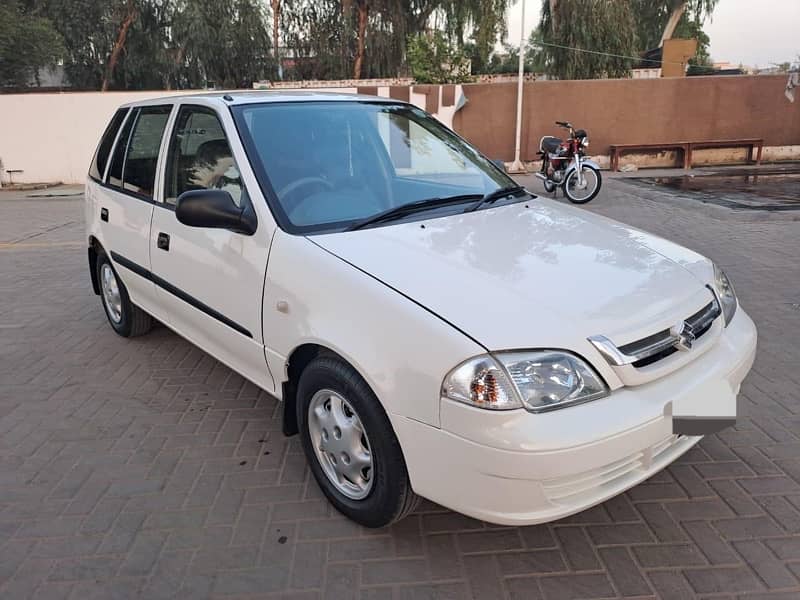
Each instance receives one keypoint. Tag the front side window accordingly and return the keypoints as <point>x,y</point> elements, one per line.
<point>100,161</point>
<point>332,164</point>
<point>200,157</point>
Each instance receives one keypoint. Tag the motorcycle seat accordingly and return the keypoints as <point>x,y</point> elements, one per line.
<point>550,144</point>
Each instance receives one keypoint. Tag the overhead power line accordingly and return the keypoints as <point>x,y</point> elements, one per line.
<point>639,58</point>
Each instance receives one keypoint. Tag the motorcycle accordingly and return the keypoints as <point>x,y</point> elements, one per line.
<point>565,165</point>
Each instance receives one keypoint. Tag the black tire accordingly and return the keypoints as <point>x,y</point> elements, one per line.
<point>133,321</point>
<point>390,497</point>
<point>592,195</point>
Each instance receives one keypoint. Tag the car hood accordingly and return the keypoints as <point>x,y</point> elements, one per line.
<point>539,274</point>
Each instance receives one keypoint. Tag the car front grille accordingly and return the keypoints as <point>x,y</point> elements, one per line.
<point>658,346</point>
<point>700,322</point>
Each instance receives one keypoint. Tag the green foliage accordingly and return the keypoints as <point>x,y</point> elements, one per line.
<point>224,42</point>
<point>484,20</point>
<point>88,31</point>
<point>689,28</point>
<point>433,60</point>
<point>604,27</point>
<point>652,17</point>
<point>27,43</point>
<point>507,62</point>
<point>155,44</point>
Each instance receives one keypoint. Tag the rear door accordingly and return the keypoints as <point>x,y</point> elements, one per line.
<point>126,201</point>
<point>210,280</point>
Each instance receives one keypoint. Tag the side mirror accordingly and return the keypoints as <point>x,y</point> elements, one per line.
<point>215,209</point>
<point>500,164</point>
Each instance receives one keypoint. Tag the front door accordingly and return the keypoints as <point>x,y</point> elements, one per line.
<point>210,280</point>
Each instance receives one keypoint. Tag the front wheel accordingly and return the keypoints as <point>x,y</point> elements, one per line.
<point>351,448</point>
<point>581,192</point>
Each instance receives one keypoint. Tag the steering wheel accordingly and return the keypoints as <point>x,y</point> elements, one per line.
<point>303,182</point>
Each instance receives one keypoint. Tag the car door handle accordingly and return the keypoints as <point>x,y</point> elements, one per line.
<point>104,214</point>
<point>163,241</point>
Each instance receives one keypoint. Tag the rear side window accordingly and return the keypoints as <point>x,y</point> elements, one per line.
<point>133,167</point>
<point>118,160</point>
<point>98,167</point>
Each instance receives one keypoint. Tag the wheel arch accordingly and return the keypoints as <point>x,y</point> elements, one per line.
<point>94,250</point>
<point>298,360</point>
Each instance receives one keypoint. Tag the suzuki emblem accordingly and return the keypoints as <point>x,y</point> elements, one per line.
<point>685,334</point>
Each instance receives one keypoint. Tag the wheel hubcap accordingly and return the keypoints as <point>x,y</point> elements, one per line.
<point>341,444</point>
<point>111,296</point>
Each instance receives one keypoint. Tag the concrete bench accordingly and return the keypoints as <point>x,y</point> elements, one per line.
<point>686,149</point>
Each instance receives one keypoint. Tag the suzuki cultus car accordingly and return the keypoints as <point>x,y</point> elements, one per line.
<point>432,328</point>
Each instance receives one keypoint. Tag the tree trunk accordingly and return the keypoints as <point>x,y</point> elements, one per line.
<point>553,18</point>
<point>127,21</point>
<point>674,18</point>
<point>363,13</point>
<point>276,18</point>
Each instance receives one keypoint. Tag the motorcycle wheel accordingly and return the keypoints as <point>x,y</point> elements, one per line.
<point>592,182</point>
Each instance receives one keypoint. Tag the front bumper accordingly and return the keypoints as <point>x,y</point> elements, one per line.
<point>518,468</point>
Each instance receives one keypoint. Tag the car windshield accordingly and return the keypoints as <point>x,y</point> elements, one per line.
<point>333,164</point>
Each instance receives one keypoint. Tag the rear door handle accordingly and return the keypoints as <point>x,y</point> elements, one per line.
<point>104,214</point>
<point>163,241</point>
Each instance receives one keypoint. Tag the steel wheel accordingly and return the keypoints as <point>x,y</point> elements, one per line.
<point>341,444</point>
<point>111,295</point>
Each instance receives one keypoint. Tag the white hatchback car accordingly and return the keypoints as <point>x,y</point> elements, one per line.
<point>433,329</point>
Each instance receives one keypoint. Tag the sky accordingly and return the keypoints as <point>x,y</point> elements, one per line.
<point>741,31</point>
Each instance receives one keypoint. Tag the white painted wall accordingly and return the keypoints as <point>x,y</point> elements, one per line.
<point>52,137</point>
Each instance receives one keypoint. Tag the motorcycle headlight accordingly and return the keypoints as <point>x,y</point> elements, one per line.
<point>585,142</point>
<point>538,381</point>
<point>726,294</point>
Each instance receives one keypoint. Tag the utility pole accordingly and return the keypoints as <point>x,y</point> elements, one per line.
<point>517,166</point>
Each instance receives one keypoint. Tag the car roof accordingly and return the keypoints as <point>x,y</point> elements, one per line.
<point>230,98</point>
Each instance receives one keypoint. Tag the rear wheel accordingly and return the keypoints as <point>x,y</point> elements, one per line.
<point>350,445</point>
<point>581,190</point>
<point>127,319</point>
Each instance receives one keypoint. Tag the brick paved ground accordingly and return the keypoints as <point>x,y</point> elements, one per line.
<point>145,468</point>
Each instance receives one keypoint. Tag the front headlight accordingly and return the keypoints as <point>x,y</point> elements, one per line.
<point>537,380</point>
<point>725,293</point>
<point>585,142</point>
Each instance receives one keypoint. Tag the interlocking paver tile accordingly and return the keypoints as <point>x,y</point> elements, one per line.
<point>146,469</point>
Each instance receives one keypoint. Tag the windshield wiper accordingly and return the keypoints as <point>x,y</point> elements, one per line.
<point>494,196</point>
<point>409,208</point>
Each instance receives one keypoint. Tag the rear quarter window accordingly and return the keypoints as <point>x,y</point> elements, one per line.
<point>103,151</point>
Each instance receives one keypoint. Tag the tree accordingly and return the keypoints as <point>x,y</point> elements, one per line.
<point>28,43</point>
<point>484,20</point>
<point>127,15</point>
<point>276,21</point>
<point>689,28</point>
<point>433,60</point>
<point>340,39</point>
<point>587,39</point>
<point>226,42</point>
<point>653,17</point>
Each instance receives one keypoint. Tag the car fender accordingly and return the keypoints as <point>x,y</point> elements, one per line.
<point>401,349</point>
